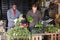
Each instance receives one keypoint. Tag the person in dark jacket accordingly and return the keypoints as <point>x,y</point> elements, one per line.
<point>35,14</point>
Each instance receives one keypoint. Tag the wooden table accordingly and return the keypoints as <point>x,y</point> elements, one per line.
<point>39,36</point>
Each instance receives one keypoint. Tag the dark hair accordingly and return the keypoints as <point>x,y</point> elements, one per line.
<point>35,5</point>
<point>14,4</point>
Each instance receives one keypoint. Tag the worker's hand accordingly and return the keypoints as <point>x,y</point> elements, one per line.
<point>15,21</point>
<point>21,18</point>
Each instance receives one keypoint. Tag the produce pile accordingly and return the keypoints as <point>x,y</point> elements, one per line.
<point>52,29</point>
<point>18,32</point>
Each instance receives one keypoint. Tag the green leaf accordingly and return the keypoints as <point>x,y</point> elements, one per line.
<point>39,24</point>
<point>30,19</point>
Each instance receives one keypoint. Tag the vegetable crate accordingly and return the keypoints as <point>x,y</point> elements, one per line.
<point>36,37</point>
<point>37,30</point>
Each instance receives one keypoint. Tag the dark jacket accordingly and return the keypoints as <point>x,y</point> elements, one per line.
<point>36,17</point>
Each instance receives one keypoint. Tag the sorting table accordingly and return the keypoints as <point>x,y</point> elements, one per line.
<point>39,36</point>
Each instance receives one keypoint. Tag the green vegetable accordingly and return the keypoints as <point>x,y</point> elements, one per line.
<point>21,16</point>
<point>52,29</point>
<point>30,19</point>
<point>18,32</point>
<point>39,24</point>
